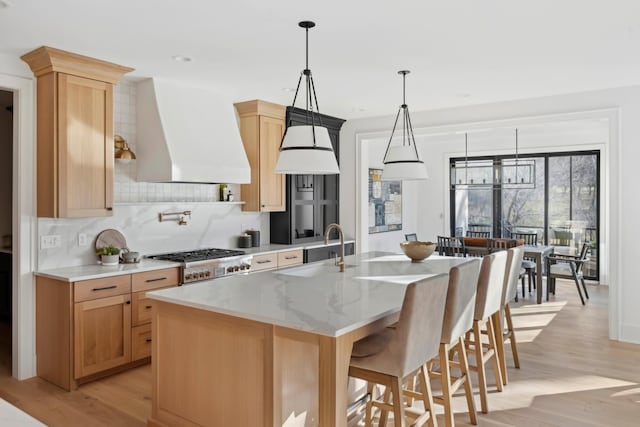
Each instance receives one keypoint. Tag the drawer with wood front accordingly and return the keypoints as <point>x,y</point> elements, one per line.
<point>140,342</point>
<point>264,262</point>
<point>86,290</point>
<point>141,307</point>
<point>288,258</point>
<point>154,279</point>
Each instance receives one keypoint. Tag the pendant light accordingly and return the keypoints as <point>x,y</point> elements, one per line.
<point>307,149</point>
<point>518,173</point>
<point>403,162</point>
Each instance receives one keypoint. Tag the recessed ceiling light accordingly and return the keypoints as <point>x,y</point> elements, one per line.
<point>288,89</point>
<point>463,95</point>
<point>5,4</point>
<point>179,58</point>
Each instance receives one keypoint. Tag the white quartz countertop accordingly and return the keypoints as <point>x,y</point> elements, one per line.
<point>314,297</point>
<point>275,247</point>
<point>97,271</point>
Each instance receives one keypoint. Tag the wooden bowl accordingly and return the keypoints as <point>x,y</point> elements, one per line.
<point>418,251</point>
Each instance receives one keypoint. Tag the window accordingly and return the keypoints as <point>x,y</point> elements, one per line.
<point>562,208</point>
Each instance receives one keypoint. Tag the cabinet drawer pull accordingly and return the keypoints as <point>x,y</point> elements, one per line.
<point>148,307</point>
<point>128,302</point>
<point>266,261</point>
<point>148,340</point>
<point>159,279</point>
<point>105,288</point>
<point>291,257</point>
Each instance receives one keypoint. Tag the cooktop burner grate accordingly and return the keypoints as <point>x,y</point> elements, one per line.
<point>198,255</point>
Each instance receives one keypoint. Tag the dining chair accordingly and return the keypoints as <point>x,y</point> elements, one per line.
<point>529,265</point>
<point>488,302</point>
<point>413,237</point>
<point>388,357</point>
<point>484,234</point>
<point>500,244</point>
<point>568,267</point>
<point>451,246</point>
<point>510,289</point>
<point>458,319</point>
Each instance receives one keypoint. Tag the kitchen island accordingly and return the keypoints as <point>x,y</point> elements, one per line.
<point>272,348</point>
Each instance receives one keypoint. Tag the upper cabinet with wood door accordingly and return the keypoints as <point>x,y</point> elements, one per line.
<point>75,132</point>
<point>262,125</point>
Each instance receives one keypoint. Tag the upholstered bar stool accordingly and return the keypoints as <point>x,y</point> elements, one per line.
<point>388,357</point>
<point>458,319</point>
<point>510,288</point>
<point>488,302</point>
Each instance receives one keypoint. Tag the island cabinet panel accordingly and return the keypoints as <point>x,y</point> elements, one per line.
<point>296,361</point>
<point>233,355</point>
<point>102,333</point>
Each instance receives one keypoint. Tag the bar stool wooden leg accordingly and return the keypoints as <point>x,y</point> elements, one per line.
<point>398,405</point>
<point>464,368</point>
<point>384,414</point>
<point>445,376</point>
<point>512,338</point>
<point>369,409</point>
<point>482,382</point>
<point>496,356</point>
<point>427,397</point>
<point>498,329</point>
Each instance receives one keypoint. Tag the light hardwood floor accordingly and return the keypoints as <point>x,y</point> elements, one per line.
<point>571,375</point>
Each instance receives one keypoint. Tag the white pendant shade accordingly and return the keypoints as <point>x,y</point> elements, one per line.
<point>299,156</point>
<point>402,163</point>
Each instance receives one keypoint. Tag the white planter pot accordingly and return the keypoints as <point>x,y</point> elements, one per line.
<point>109,259</point>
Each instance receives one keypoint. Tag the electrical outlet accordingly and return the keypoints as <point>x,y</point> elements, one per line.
<point>82,239</point>
<point>50,241</point>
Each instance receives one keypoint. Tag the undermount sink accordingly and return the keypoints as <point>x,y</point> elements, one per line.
<point>310,270</point>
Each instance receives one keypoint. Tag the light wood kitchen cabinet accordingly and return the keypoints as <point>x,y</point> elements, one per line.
<point>290,258</point>
<point>75,133</point>
<point>91,328</point>
<point>102,334</point>
<point>262,125</point>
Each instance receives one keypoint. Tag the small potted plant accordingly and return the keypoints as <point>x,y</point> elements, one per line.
<point>109,255</point>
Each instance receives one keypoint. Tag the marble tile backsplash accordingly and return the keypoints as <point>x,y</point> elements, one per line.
<point>137,205</point>
<point>211,225</point>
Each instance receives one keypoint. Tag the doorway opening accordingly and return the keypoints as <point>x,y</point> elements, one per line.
<point>6,224</point>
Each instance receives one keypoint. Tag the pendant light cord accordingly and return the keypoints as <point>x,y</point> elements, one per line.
<point>311,96</point>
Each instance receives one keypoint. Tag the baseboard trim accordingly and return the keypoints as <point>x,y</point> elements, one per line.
<point>630,333</point>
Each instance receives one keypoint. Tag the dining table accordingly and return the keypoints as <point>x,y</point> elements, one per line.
<point>539,253</point>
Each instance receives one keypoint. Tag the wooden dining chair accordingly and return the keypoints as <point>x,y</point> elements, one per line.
<point>568,267</point>
<point>388,357</point>
<point>451,246</point>
<point>483,234</point>
<point>529,265</point>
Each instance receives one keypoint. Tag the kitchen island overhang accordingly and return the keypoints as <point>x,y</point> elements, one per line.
<point>273,348</point>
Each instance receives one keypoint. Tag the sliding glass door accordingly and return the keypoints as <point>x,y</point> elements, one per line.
<point>561,207</point>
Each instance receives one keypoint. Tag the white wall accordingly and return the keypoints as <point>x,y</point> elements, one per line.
<point>623,151</point>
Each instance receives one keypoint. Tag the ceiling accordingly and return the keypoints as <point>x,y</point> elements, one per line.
<point>460,52</point>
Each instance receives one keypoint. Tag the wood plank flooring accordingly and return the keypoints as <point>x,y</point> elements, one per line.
<point>571,375</point>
